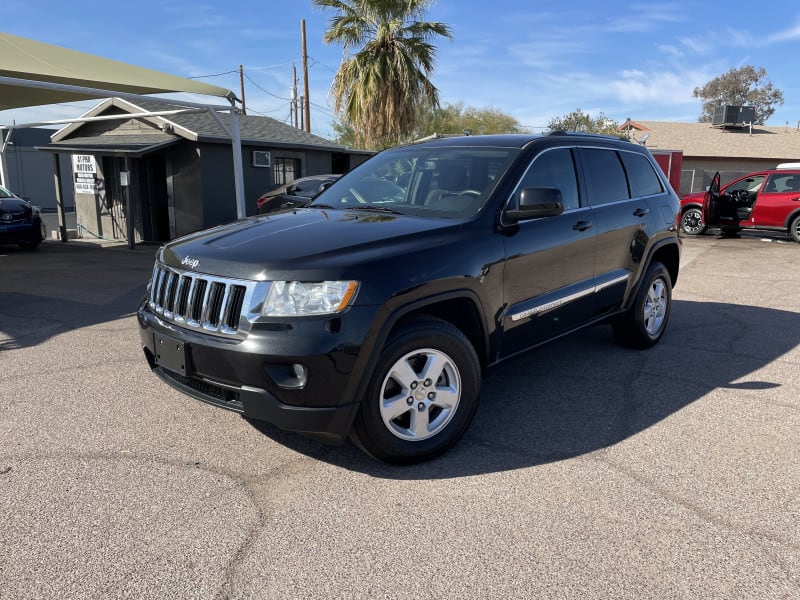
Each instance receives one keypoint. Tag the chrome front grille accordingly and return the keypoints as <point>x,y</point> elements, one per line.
<point>208,303</point>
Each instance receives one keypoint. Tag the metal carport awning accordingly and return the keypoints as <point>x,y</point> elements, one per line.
<point>28,60</point>
<point>99,145</point>
<point>34,73</point>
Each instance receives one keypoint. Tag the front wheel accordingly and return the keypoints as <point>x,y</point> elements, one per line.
<point>692,221</point>
<point>422,395</point>
<point>644,324</point>
<point>794,229</point>
<point>30,244</point>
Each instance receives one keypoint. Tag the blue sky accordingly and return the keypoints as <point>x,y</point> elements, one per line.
<point>532,60</point>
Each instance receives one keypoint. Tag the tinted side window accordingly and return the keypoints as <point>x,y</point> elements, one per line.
<point>552,169</point>
<point>751,184</point>
<point>605,177</point>
<point>642,178</point>
<point>783,183</point>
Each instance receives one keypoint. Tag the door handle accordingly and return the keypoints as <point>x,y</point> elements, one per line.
<point>582,225</point>
<point>640,212</point>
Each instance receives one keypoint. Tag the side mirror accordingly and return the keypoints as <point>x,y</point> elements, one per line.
<point>535,203</point>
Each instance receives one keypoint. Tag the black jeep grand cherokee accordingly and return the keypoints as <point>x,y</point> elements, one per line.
<point>374,311</point>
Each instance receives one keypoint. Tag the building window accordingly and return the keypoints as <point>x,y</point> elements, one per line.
<point>285,170</point>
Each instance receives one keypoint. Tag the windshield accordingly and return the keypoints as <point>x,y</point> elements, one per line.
<point>449,182</point>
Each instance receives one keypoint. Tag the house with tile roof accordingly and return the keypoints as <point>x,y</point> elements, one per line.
<point>173,171</point>
<point>733,151</point>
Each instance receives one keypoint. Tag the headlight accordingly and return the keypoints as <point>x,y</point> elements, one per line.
<point>293,298</point>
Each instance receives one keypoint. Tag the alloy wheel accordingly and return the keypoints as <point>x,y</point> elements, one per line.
<point>420,394</point>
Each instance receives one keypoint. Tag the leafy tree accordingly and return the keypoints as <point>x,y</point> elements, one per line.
<point>746,86</point>
<point>448,118</point>
<point>577,120</point>
<point>456,118</point>
<point>344,134</point>
<point>378,89</point>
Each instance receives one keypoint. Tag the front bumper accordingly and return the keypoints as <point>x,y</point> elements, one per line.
<point>256,376</point>
<point>28,231</point>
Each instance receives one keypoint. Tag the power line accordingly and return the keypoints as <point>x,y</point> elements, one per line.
<point>269,66</point>
<point>316,62</point>
<point>213,75</point>
<point>250,79</point>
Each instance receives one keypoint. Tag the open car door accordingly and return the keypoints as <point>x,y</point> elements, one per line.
<point>711,202</point>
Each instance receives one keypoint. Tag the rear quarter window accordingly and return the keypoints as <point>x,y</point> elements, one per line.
<point>642,177</point>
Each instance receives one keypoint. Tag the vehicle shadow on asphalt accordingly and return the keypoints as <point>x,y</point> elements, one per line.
<point>584,393</point>
<point>63,287</point>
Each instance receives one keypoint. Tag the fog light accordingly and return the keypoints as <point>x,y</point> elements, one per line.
<point>300,373</point>
<point>289,377</point>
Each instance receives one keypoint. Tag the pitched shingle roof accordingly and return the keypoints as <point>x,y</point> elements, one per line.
<point>253,129</point>
<point>202,126</point>
<point>704,141</point>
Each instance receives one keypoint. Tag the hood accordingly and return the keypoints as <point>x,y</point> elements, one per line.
<point>312,243</point>
<point>15,209</point>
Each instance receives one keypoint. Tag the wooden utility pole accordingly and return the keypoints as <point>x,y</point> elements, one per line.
<point>294,95</point>
<point>302,112</point>
<point>307,112</point>
<point>241,88</point>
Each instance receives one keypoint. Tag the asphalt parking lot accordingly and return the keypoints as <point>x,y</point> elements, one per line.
<point>590,471</point>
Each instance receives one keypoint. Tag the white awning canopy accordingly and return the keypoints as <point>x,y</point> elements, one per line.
<point>23,59</point>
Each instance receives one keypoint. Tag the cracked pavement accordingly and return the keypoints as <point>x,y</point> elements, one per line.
<point>590,471</point>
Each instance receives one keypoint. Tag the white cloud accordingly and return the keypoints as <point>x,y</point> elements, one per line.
<point>662,88</point>
<point>670,50</point>
<point>793,33</point>
<point>647,17</point>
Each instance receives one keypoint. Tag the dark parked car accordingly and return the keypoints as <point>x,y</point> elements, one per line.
<point>375,311</point>
<point>20,221</point>
<point>294,194</point>
<point>764,200</point>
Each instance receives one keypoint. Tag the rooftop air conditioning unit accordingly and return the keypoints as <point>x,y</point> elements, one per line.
<point>733,116</point>
<point>261,159</point>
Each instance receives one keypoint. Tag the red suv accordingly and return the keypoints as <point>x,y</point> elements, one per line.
<point>768,200</point>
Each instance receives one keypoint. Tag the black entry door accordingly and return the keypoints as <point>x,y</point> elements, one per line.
<point>155,206</point>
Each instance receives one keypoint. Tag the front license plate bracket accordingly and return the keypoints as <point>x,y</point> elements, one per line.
<point>171,353</point>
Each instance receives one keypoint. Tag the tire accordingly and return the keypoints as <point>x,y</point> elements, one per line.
<point>29,245</point>
<point>644,324</point>
<point>692,221</point>
<point>422,395</point>
<point>794,229</point>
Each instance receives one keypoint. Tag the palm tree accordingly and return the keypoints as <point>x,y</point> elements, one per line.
<point>378,89</point>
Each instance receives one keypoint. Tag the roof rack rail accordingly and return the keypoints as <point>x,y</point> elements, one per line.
<point>589,134</point>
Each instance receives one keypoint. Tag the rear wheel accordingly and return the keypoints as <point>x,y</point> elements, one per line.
<point>794,229</point>
<point>692,221</point>
<point>644,324</point>
<point>422,395</point>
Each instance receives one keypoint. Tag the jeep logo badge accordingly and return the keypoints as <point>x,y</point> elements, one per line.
<point>190,262</point>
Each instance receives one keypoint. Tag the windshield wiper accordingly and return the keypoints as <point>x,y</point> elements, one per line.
<point>328,206</point>
<point>383,209</point>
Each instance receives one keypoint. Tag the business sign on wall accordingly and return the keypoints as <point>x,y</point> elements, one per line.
<point>84,168</point>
